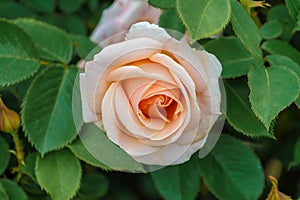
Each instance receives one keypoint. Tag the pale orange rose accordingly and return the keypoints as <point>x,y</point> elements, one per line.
<point>117,19</point>
<point>156,97</point>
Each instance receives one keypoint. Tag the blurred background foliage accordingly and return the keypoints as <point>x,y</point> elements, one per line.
<point>280,157</point>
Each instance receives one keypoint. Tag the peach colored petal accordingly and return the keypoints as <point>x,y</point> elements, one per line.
<point>110,58</point>
<point>147,30</point>
<point>130,144</point>
<point>164,156</point>
<point>88,115</point>
<point>129,72</point>
<point>129,118</point>
<point>190,124</point>
<point>195,146</point>
<point>156,68</point>
<point>175,69</point>
<point>187,57</point>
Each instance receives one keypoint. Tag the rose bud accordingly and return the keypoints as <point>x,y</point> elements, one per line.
<point>155,96</point>
<point>119,17</point>
<point>9,119</point>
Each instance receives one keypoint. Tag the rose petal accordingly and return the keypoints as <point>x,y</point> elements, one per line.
<point>147,30</point>
<point>88,115</point>
<point>188,58</point>
<point>110,58</point>
<point>175,68</point>
<point>164,156</point>
<point>129,72</point>
<point>130,144</point>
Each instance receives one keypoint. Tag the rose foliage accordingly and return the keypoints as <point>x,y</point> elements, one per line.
<point>55,154</point>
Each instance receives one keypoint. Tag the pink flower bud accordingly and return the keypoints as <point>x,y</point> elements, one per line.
<point>119,17</point>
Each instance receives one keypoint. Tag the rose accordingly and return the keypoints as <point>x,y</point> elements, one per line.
<point>119,17</point>
<point>156,97</point>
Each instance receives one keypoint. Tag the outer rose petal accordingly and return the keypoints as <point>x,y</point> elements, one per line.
<point>147,30</point>
<point>88,115</point>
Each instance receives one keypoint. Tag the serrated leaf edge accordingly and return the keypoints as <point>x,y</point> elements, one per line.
<point>208,34</point>
<point>252,108</point>
<point>53,28</point>
<point>245,45</point>
<point>242,131</point>
<point>23,119</point>
<point>43,188</point>
<point>103,167</point>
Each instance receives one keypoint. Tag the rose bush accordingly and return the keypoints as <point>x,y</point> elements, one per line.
<point>156,97</point>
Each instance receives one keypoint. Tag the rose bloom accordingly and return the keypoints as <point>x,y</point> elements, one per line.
<point>156,97</point>
<point>118,18</point>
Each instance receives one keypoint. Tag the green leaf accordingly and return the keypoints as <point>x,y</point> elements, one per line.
<point>54,45</point>
<point>18,56</point>
<point>293,7</point>
<point>83,45</point>
<point>12,189</point>
<point>232,171</point>
<point>180,182</point>
<point>47,109</point>
<point>166,4</point>
<point>96,149</point>
<point>233,64</point>
<point>12,10</point>
<point>170,20</point>
<point>5,155</point>
<point>280,13</point>
<point>271,29</point>
<point>280,60</point>
<point>239,113</point>
<point>45,6</point>
<point>93,186</point>
<point>82,153</point>
<point>281,48</point>
<point>70,6</point>
<point>29,166</point>
<point>3,194</point>
<point>59,173</point>
<point>204,18</point>
<point>270,93</point>
<point>246,29</point>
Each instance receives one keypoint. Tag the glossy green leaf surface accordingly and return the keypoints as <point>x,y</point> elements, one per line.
<point>55,45</point>
<point>18,55</point>
<point>233,64</point>
<point>239,109</point>
<point>52,101</point>
<point>269,95</point>
<point>179,182</point>
<point>226,165</point>
<point>92,145</point>
<point>204,18</point>
<point>64,180</point>
<point>245,29</point>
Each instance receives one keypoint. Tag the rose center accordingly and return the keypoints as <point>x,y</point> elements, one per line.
<point>159,106</point>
